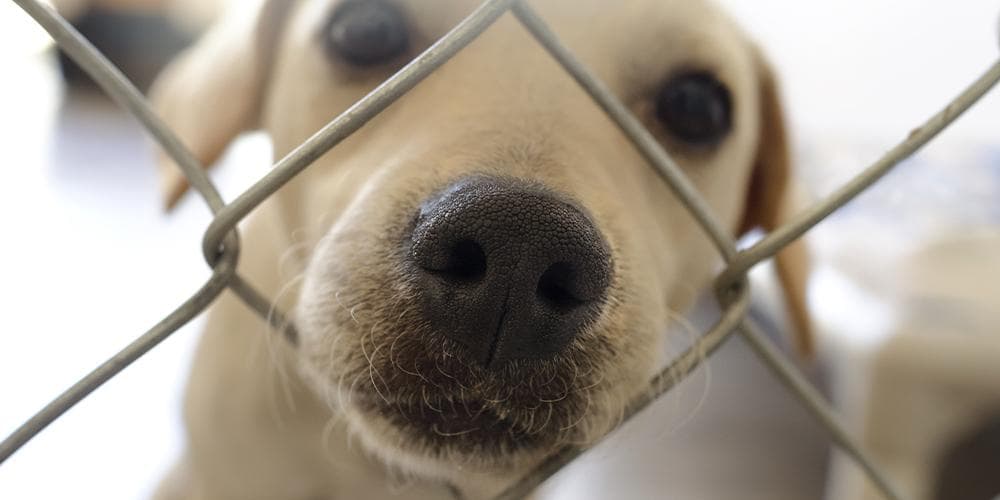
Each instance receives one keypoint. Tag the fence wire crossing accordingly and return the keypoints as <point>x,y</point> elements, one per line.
<point>221,242</point>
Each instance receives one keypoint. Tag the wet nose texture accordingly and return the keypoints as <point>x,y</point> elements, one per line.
<point>508,269</point>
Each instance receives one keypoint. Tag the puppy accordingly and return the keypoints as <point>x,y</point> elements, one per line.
<point>481,274</point>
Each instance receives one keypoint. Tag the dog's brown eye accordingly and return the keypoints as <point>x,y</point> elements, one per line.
<point>695,108</point>
<point>366,32</point>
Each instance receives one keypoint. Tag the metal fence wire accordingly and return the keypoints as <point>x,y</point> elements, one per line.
<point>221,242</point>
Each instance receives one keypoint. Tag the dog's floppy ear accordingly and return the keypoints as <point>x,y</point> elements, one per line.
<point>213,91</point>
<point>771,200</point>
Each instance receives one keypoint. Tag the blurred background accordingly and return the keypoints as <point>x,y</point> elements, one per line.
<point>906,291</point>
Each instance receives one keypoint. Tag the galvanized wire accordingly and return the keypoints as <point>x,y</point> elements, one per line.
<point>781,237</point>
<point>821,410</point>
<point>123,92</point>
<point>694,202</point>
<point>174,321</point>
<point>221,246</point>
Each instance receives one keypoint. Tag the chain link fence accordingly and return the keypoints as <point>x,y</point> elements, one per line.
<point>221,242</point>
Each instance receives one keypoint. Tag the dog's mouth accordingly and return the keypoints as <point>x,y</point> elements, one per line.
<point>459,424</point>
<point>449,407</point>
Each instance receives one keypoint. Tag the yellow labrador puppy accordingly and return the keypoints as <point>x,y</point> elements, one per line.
<point>481,274</point>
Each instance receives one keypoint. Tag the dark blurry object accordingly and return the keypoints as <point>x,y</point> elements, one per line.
<point>923,384</point>
<point>138,42</point>
<point>971,470</point>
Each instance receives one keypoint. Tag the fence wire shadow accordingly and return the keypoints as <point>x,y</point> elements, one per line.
<point>220,244</point>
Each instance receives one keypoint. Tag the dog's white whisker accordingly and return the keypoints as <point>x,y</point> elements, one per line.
<point>437,366</point>
<point>282,380</point>
<point>548,417</point>
<point>598,381</point>
<point>582,416</point>
<point>355,383</point>
<point>372,374</point>
<point>528,423</point>
<point>451,405</point>
<point>372,370</point>
<point>691,332</point>
<point>465,406</point>
<point>530,428</point>
<point>479,412</point>
<point>350,310</point>
<point>427,402</point>
<point>564,395</point>
<point>501,400</point>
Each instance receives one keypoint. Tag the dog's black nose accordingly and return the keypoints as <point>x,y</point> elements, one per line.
<point>508,269</point>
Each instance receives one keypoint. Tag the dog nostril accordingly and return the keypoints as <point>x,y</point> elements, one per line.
<point>466,263</point>
<point>555,287</point>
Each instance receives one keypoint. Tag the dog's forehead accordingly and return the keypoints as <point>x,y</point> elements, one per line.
<point>695,31</point>
<point>505,79</point>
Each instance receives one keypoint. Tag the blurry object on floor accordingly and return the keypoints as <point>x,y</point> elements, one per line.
<point>931,397</point>
<point>911,324</point>
<point>193,15</point>
<point>138,36</point>
<point>970,469</point>
<point>138,44</point>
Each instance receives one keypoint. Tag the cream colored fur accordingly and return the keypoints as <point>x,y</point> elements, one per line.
<point>267,421</point>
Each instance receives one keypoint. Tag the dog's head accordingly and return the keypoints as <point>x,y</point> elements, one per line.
<point>493,263</point>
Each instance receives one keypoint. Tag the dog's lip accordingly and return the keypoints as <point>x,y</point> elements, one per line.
<point>457,410</point>
<point>476,419</point>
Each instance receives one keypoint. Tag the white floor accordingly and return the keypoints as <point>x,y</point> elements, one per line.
<point>88,262</point>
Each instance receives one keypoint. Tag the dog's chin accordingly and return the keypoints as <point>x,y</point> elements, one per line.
<point>417,403</point>
<point>423,437</point>
<point>423,400</point>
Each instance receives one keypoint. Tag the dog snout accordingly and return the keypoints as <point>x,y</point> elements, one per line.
<point>508,269</point>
